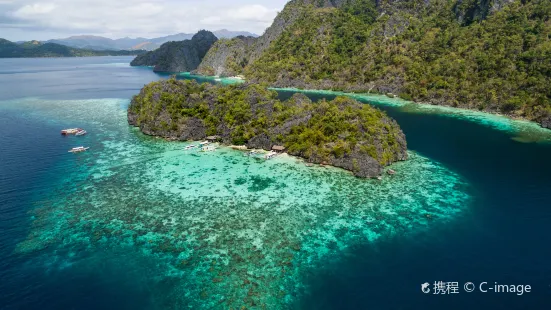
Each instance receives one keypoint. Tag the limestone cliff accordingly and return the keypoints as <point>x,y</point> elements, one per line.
<point>178,56</point>
<point>230,57</point>
<point>227,57</point>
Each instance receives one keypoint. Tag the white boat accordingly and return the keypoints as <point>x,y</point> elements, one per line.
<point>204,143</point>
<point>189,147</point>
<point>81,132</point>
<point>78,149</point>
<point>208,148</point>
<point>271,155</point>
<point>70,131</point>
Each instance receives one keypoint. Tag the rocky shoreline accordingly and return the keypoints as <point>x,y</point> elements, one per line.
<point>342,133</point>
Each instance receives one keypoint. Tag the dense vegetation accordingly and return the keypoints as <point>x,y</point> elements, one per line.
<point>488,55</point>
<point>178,56</point>
<point>36,49</point>
<point>341,132</point>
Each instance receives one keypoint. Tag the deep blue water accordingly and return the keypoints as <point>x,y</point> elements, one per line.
<point>505,236</point>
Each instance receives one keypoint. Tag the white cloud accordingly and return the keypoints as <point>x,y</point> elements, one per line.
<point>255,14</point>
<point>145,18</point>
<point>30,10</point>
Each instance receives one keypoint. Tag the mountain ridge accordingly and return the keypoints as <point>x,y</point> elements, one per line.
<point>126,43</point>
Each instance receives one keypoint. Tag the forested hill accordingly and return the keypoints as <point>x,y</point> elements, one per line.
<point>342,132</point>
<point>490,55</point>
<point>9,49</point>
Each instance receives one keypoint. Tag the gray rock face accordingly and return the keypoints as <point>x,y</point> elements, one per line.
<point>546,122</point>
<point>282,21</point>
<point>498,5</point>
<point>227,57</point>
<point>178,56</point>
<point>468,11</point>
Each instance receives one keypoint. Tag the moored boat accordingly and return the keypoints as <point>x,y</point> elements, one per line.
<point>70,131</point>
<point>271,155</point>
<point>78,149</point>
<point>81,132</point>
<point>208,148</point>
<point>189,147</point>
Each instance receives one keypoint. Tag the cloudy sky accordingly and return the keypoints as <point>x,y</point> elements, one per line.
<point>48,19</point>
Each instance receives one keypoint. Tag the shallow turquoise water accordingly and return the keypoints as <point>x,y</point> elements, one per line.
<point>138,223</point>
<point>246,231</point>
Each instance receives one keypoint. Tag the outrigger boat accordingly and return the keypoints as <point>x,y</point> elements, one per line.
<point>271,155</point>
<point>81,132</point>
<point>204,143</point>
<point>189,147</point>
<point>208,148</point>
<point>71,131</point>
<point>78,149</point>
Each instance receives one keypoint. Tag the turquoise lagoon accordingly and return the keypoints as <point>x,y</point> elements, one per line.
<point>244,231</point>
<point>138,223</point>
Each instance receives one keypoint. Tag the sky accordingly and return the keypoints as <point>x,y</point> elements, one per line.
<point>22,20</point>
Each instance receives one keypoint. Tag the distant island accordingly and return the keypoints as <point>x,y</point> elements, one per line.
<point>10,49</point>
<point>178,56</point>
<point>342,132</point>
<point>149,44</point>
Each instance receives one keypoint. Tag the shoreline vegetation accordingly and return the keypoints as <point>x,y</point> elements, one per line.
<point>490,56</point>
<point>342,133</point>
<point>374,94</point>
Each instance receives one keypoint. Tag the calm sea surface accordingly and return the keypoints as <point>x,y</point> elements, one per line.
<point>137,223</point>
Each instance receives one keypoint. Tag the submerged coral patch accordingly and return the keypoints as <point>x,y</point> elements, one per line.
<point>227,230</point>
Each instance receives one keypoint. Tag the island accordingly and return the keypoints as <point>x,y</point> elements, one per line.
<point>178,56</point>
<point>37,49</point>
<point>343,132</point>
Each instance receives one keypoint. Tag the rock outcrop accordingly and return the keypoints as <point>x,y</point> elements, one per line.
<point>546,122</point>
<point>230,57</point>
<point>469,11</point>
<point>178,56</point>
<point>343,132</point>
<point>227,57</point>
